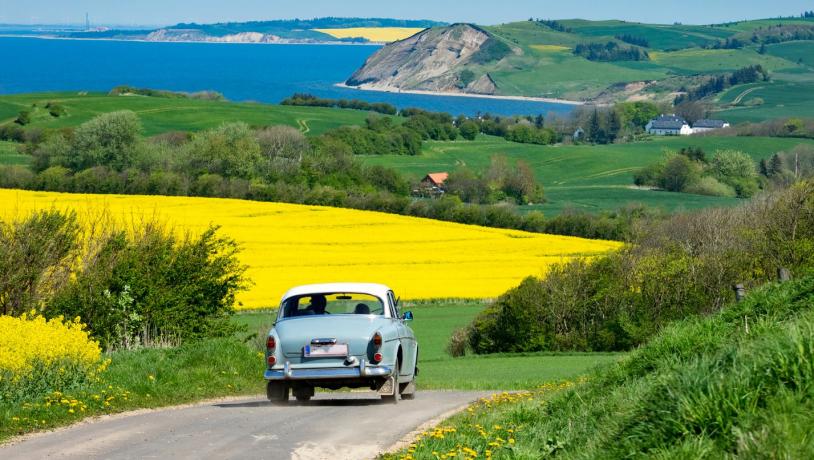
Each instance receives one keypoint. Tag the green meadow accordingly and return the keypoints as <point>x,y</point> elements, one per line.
<point>586,177</point>
<point>10,156</point>
<point>545,65</point>
<point>159,115</point>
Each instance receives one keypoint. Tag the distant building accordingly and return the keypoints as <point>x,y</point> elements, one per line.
<point>702,126</point>
<point>432,184</point>
<point>579,134</point>
<point>668,125</point>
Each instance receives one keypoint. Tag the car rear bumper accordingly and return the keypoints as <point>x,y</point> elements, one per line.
<point>294,372</point>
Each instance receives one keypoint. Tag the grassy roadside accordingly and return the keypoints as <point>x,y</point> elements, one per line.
<point>736,384</point>
<point>144,379</point>
<point>151,378</point>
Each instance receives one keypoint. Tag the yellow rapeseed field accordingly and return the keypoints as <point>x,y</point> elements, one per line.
<point>285,245</point>
<point>552,48</point>
<point>374,34</point>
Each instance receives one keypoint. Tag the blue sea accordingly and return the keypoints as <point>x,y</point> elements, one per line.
<point>242,72</point>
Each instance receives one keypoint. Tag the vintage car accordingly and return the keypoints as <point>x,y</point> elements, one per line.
<point>341,335</point>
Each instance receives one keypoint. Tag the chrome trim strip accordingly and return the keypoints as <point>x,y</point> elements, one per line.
<point>289,373</point>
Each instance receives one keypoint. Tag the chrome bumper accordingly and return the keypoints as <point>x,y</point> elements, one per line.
<point>311,373</point>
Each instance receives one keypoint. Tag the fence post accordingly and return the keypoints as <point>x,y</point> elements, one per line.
<point>783,274</point>
<point>740,292</point>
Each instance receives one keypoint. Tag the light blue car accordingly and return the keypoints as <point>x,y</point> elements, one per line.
<point>341,335</point>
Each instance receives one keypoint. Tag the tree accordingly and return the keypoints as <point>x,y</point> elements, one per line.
<point>691,111</point>
<point>469,130</point>
<point>110,140</point>
<point>521,184</point>
<point>282,149</point>
<point>614,125</point>
<point>679,172</point>
<point>465,184</point>
<point>230,150</point>
<point>595,133</point>
<point>23,118</point>
<point>737,170</point>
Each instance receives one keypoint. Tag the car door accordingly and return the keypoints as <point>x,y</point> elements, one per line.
<point>406,337</point>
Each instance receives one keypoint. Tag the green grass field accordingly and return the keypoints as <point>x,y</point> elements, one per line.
<point>160,115</point>
<point>545,65</point>
<point>781,99</point>
<point>10,156</point>
<point>591,178</point>
<point>434,324</point>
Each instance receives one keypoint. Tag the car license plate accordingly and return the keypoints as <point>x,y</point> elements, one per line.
<point>326,351</point>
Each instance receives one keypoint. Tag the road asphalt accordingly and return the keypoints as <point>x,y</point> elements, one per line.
<point>331,426</point>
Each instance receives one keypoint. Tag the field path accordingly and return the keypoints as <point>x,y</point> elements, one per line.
<point>304,128</point>
<point>742,95</point>
<point>332,426</point>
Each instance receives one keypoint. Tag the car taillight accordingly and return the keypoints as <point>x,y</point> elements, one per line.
<point>272,360</point>
<point>271,343</point>
<point>377,357</point>
<point>377,340</point>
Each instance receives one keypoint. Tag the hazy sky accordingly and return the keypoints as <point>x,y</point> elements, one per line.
<point>160,12</point>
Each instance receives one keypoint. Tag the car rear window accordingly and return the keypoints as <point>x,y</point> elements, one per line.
<point>333,304</point>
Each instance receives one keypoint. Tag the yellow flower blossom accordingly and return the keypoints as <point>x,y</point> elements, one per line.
<point>61,347</point>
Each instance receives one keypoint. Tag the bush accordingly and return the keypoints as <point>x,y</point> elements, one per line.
<point>36,253</point>
<point>711,187</point>
<point>682,266</point>
<point>147,284</point>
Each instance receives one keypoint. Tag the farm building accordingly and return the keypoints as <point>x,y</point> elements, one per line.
<point>702,126</point>
<point>433,184</point>
<point>669,125</point>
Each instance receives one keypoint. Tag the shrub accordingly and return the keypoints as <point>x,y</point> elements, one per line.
<point>146,284</point>
<point>711,187</point>
<point>682,266</point>
<point>35,257</point>
<point>38,356</point>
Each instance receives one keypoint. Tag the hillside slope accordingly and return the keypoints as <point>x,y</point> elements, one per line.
<point>428,61</point>
<point>542,59</point>
<point>738,384</point>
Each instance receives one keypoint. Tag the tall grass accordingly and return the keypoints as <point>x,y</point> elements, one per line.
<point>736,384</point>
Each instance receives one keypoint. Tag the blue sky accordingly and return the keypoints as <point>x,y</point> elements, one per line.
<point>160,12</point>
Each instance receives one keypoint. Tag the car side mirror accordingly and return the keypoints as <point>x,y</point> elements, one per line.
<point>408,316</point>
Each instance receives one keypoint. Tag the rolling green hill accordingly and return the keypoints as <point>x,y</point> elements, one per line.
<point>538,59</point>
<point>586,177</point>
<point>165,114</point>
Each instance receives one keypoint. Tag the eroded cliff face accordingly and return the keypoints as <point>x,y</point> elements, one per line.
<point>183,35</point>
<point>433,60</point>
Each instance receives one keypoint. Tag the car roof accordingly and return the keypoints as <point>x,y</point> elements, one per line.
<point>378,290</point>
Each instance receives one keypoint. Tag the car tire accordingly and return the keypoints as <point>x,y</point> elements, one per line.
<point>394,398</point>
<point>303,399</point>
<point>277,392</point>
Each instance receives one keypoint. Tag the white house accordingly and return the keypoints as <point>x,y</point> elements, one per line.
<point>702,126</point>
<point>669,125</point>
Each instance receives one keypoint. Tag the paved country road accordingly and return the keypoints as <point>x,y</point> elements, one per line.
<point>331,426</point>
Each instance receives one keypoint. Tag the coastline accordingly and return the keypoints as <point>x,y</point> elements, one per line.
<point>139,40</point>
<point>548,100</point>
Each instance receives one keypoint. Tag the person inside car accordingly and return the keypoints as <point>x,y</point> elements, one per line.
<point>361,309</point>
<point>317,307</point>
